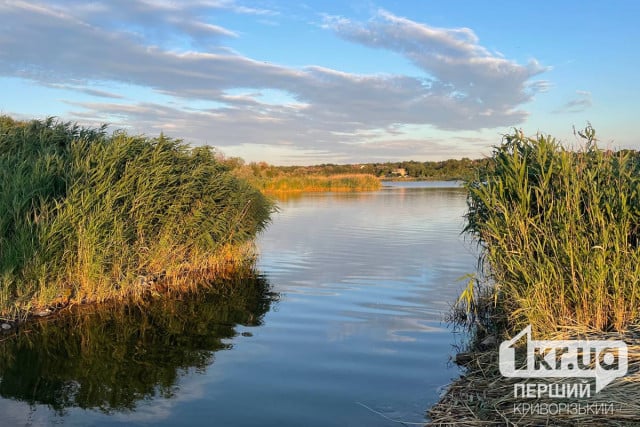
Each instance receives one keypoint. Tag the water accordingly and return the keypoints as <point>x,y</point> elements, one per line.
<point>346,314</point>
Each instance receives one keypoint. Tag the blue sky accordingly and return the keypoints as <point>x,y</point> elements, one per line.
<point>327,81</point>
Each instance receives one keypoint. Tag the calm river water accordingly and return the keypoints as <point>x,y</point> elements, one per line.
<point>346,314</point>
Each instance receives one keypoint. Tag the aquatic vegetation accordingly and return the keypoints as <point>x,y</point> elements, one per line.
<point>560,234</point>
<point>282,180</point>
<point>89,216</point>
<point>318,183</point>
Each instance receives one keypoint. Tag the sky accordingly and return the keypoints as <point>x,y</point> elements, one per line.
<point>328,81</point>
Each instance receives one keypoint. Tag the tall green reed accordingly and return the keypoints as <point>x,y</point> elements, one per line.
<point>559,233</point>
<point>85,215</point>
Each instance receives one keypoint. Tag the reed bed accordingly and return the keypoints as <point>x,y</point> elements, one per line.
<point>559,237</point>
<point>86,216</point>
<point>320,183</point>
<point>559,232</point>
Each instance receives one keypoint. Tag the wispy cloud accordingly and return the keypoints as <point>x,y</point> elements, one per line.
<point>175,49</point>
<point>87,90</point>
<point>460,67</point>
<point>581,102</point>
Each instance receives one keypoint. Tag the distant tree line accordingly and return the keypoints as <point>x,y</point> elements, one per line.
<point>452,169</point>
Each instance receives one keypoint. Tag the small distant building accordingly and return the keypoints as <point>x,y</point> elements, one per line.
<point>399,172</point>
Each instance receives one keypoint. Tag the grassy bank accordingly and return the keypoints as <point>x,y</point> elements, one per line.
<point>319,183</point>
<point>559,233</point>
<point>87,216</point>
<point>281,180</point>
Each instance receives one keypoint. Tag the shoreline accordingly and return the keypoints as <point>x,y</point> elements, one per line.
<point>232,261</point>
<point>481,396</point>
<point>318,183</point>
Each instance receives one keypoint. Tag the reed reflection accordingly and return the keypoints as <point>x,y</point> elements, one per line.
<point>112,358</point>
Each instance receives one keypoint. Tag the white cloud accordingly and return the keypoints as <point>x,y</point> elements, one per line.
<point>459,65</point>
<point>175,49</point>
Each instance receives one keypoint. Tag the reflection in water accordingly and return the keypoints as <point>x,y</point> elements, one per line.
<point>366,280</point>
<point>113,358</point>
<point>362,280</point>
